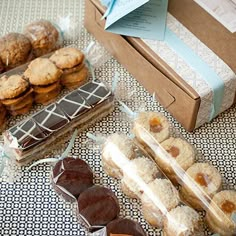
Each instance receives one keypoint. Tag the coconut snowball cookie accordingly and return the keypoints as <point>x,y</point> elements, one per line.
<point>221,214</point>
<point>200,180</point>
<point>110,158</point>
<point>182,157</point>
<point>184,221</point>
<point>152,123</point>
<point>138,172</point>
<point>166,198</point>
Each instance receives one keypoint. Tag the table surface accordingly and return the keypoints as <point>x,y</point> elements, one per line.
<point>29,206</point>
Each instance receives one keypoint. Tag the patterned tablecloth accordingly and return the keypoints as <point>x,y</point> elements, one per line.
<point>29,206</point>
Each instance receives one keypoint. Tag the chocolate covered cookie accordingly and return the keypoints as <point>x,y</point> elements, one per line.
<point>98,206</point>
<point>71,176</point>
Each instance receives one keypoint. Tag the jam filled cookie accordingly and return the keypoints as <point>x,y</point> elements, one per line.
<point>15,50</point>
<point>182,220</point>
<point>43,36</point>
<point>71,176</point>
<point>221,214</point>
<point>166,198</point>
<point>200,180</point>
<point>98,206</point>
<point>138,169</point>
<point>126,148</point>
<point>182,157</point>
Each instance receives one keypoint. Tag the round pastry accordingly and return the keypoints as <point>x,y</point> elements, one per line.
<point>98,206</point>
<point>71,176</point>
<point>43,36</point>
<point>182,157</point>
<point>124,227</point>
<point>166,198</point>
<point>221,214</point>
<point>201,180</point>
<point>152,123</point>
<point>182,220</point>
<point>15,49</point>
<point>139,171</point>
<point>126,147</point>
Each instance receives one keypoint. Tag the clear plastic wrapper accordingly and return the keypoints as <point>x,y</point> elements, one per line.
<point>199,183</point>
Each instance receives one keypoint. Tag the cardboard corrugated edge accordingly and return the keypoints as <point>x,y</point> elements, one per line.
<point>179,98</point>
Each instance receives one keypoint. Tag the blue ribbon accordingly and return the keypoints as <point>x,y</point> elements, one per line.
<point>109,4</point>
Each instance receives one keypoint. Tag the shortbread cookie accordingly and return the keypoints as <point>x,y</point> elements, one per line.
<point>126,147</point>
<point>151,123</point>
<point>182,220</point>
<point>43,36</point>
<point>138,172</point>
<point>15,49</point>
<point>42,71</point>
<point>201,180</point>
<point>182,157</point>
<point>12,87</point>
<point>21,104</point>
<point>47,88</point>
<point>21,111</point>
<point>73,69</point>
<point>221,214</point>
<point>165,197</point>
<point>66,58</point>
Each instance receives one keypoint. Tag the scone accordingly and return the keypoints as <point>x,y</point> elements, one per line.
<point>44,77</point>
<point>43,36</point>
<point>153,124</point>
<point>126,147</point>
<point>138,172</point>
<point>181,157</point>
<point>182,220</point>
<point>16,94</point>
<point>221,214</point>
<point>200,183</point>
<point>71,61</point>
<point>165,197</point>
<point>15,49</point>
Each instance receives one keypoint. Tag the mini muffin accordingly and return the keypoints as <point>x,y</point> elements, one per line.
<point>71,176</point>
<point>136,175</point>
<point>221,213</point>
<point>71,61</point>
<point>162,198</point>
<point>44,77</point>
<point>201,182</point>
<point>98,206</point>
<point>3,114</point>
<point>15,49</point>
<point>14,94</point>
<point>126,147</point>
<point>150,125</point>
<point>124,227</point>
<point>181,157</point>
<point>43,36</point>
<point>182,220</point>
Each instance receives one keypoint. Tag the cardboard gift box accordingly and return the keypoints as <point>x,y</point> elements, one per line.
<point>178,86</point>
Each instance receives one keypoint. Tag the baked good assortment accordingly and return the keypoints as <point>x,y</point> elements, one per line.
<point>221,214</point>
<point>79,108</point>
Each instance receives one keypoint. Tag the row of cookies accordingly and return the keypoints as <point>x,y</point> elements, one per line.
<point>140,178</point>
<point>42,81</point>
<point>200,182</point>
<point>72,178</point>
<point>39,38</point>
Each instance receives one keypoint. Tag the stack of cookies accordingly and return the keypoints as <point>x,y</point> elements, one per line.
<point>16,94</point>
<point>71,61</point>
<point>44,77</point>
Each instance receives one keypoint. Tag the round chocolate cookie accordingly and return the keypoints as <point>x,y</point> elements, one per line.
<point>125,227</point>
<point>15,49</point>
<point>72,175</point>
<point>98,206</point>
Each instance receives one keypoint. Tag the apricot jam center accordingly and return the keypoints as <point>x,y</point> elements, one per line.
<point>174,151</point>
<point>228,207</point>
<point>155,125</point>
<point>202,179</point>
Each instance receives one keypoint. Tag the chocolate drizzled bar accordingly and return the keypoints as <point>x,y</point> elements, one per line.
<point>77,109</point>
